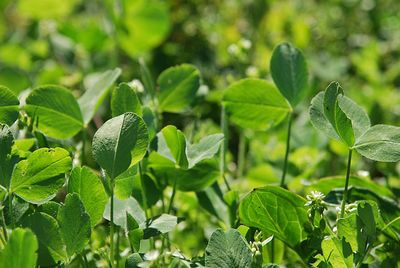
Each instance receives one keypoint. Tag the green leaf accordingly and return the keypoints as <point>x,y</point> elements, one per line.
<point>125,182</point>
<point>74,224</point>
<point>9,106</point>
<point>20,250</point>
<point>55,111</point>
<point>120,142</point>
<point>164,223</point>
<point>51,208</point>
<point>333,112</point>
<point>255,103</point>
<point>197,178</point>
<point>124,99</point>
<point>124,207</point>
<point>87,184</point>
<point>38,178</point>
<point>147,21</point>
<point>380,143</point>
<point>289,71</point>
<point>45,9</point>
<point>178,87</point>
<point>337,252</point>
<point>147,78</point>
<point>171,143</point>
<point>133,260</point>
<point>91,100</point>
<point>338,116</point>
<point>228,250</point>
<point>6,165</point>
<point>277,212</point>
<point>47,231</point>
<point>205,149</point>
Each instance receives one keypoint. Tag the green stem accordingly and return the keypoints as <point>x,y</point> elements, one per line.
<point>10,210</point>
<point>112,225</point>
<point>83,146</point>
<point>345,193</point>
<point>390,223</point>
<point>3,223</point>
<point>171,201</point>
<point>241,154</point>
<point>285,162</point>
<point>85,260</point>
<point>143,188</point>
<point>117,246</point>
<point>223,147</point>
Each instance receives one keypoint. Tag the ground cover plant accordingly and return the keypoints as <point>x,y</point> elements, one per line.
<point>120,153</point>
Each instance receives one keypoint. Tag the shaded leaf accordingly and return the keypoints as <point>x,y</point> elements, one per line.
<point>9,106</point>
<point>124,99</point>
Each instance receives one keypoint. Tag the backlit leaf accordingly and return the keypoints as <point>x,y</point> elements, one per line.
<point>9,106</point>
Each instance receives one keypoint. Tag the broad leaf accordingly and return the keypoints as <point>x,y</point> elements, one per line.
<point>6,165</point>
<point>124,99</point>
<point>197,178</point>
<point>74,224</point>
<point>120,142</point>
<point>171,143</point>
<point>147,78</point>
<point>335,115</point>
<point>38,178</point>
<point>9,106</point>
<point>337,252</point>
<point>124,207</point>
<point>91,100</point>
<point>125,182</point>
<point>54,111</point>
<point>178,87</point>
<point>51,244</point>
<point>289,71</point>
<point>87,184</point>
<point>164,223</point>
<point>20,250</point>
<point>133,261</point>
<point>380,143</point>
<point>205,149</point>
<point>277,212</point>
<point>228,250</point>
<point>255,103</point>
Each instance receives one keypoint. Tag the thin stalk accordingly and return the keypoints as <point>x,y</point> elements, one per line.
<point>118,236</point>
<point>285,162</point>
<point>223,147</point>
<point>171,200</point>
<point>112,224</point>
<point>345,193</point>
<point>3,223</point>
<point>143,188</point>
<point>10,210</point>
<point>83,146</point>
<point>85,259</point>
<point>241,154</point>
<point>390,223</point>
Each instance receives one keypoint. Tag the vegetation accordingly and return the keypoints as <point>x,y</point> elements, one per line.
<point>199,134</point>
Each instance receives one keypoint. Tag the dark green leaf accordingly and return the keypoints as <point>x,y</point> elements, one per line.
<point>289,71</point>
<point>228,250</point>
<point>55,111</point>
<point>9,106</point>
<point>255,103</point>
<point>6,142</point>
<point>74,224</point>
<point>120,142</point>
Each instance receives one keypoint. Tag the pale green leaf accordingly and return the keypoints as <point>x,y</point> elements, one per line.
<point>289,71</point>
<point>228,250</point>
<point>178,87</point>
<point>74,224</point>
<point>380,143</point>
<point>51,245</point>
<point>171,143</point>
<point>164,223</point>
<point>55,111</point>
<point>20,250</point>
<point>38,178</point>
<point>91,100</point>
<point>206,148</point>
<point>255,104</point>
<point>9,106</point>
<point>124,207</point>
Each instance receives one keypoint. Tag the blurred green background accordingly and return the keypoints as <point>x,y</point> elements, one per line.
<point>356,42</point>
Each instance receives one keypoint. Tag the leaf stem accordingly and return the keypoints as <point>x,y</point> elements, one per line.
<point>285,162</point>
<point>3,223</point>
<point>117,246</point>
<point>10,210</point>
<point>241,154</point>
<point>143,188</point>
<point>223,147</point>
<point>345,193</point>
<point>83,146</point>
<point>112,224</point>
<point>171,200</point>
